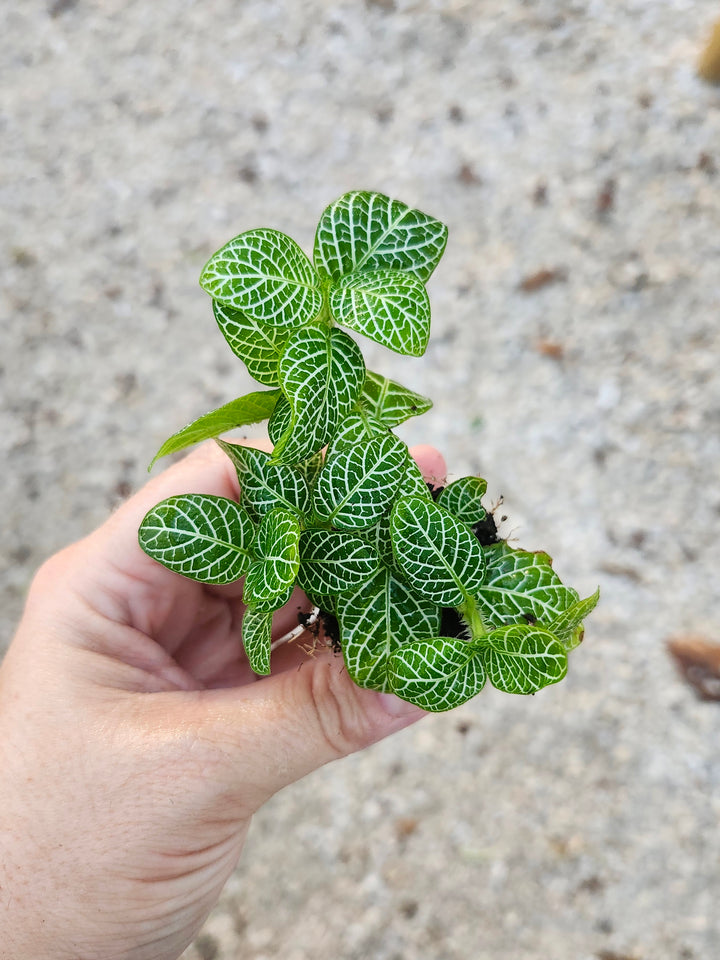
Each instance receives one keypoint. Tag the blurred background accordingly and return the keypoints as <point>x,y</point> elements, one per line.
<point>575,156</point>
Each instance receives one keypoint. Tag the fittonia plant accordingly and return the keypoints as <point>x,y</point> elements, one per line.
<point>430,603</point>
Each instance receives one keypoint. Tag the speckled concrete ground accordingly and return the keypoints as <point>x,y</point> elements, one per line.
<point>551,135</point>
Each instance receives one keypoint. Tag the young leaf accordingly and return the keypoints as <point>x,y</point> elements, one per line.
<point>387,306</point>
<point>440,557</point>
<point>357,483</point>
<point>277,558</point>
<point>252,408</point>
<point>265,486</point>
<point>310,468</point>
<point>521,587</point>
<point>377,619</point>
<point>462,498</point>
<point>280,420</point>
<point>436,674</point>
<point>523,659</point>
<point>257,639</point>
<point>258,345</point>
<point>567,627</point>
<point>321,373</point>
<point>204,537</point>
<point>369,231</point>
<point>357,427</point>
<point>390,402</point>
<point>333,562</point>
<point>264,274</point>
<point>275,602</point>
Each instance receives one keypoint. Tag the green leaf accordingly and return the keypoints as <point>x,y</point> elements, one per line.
<point>568,626</point>
<point>277,558</point>
<point>440,557</point>
<point>413,483</point>
<point>258,345</point>
<point>390,402</point>
<point>324,602</point>
<point>357,484</point>
<point>333,562</point>
<point>521,587</point>
<point>257,639</point>
<point>436,674</point>
<point>379,537</point>
<point>357,427</point>
<point>321,373</point>
<point>264,274</point>
<point>204,537</point>
<point>264,485</point>
<point>252,408</point>
<point>310,468</point>
<point>281,419</point>
<point>369,231</point>
<point>378,618</point>
<point>275,602</point>
<point>523,659</point>
<point>462,498</point>
<point>387,306</point>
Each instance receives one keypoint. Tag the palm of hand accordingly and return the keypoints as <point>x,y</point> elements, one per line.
<point>142,644</point>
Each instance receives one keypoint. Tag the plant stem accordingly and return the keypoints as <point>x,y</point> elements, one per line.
<point>471,615</point>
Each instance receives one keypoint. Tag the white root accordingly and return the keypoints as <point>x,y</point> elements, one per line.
<point>298,631</point>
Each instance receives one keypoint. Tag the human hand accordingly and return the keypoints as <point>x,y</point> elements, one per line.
<point>136,744</point>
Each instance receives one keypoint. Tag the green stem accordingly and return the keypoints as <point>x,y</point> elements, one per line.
<point>471,615</point>
<point>325,318</point>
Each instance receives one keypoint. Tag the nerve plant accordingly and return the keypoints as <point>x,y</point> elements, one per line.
<point>429,601</point>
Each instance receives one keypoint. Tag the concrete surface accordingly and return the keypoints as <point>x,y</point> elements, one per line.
<point>556,135</point>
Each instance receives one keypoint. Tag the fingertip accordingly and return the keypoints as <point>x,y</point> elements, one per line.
<point>431,462</point>
<point>397,708</point>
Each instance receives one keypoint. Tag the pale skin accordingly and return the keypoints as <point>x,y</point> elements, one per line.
<point>136,744</point>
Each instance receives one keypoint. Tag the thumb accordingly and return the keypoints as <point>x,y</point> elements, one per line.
<point>284,726</point>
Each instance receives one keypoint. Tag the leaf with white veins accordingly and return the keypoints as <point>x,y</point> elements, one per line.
<point>367,231</point>
<point>462,498</point>
<point>264,274</point>
<point>413,483</point>
<point>277,560</point>
<point>521,587</point>
<point>356,484</point>
<point>390,402</point>
<point>523,659</point>
<point>258,345</point>
<point>252,408</point>
<point>440,557</point>
<point>321,373</point>
<point>378,618</point>
<point>436,674</point>
<point>568,626</point>
<point>204,537</point>
<point>387,306</point>
<point>281,419</point>
<point>264,485</point>
<point>357,427</point>
<point>257,639</point>
<point>332,562</point>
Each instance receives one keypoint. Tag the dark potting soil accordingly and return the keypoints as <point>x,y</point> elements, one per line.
<point>330,627</point>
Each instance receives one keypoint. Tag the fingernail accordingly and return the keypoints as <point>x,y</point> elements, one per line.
<point>396,707</point>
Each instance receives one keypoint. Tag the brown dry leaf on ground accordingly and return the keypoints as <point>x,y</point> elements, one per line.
<point>698,661</point>
<point>542,278</point>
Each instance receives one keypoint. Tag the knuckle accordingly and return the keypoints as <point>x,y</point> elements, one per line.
<point>342,722</point>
